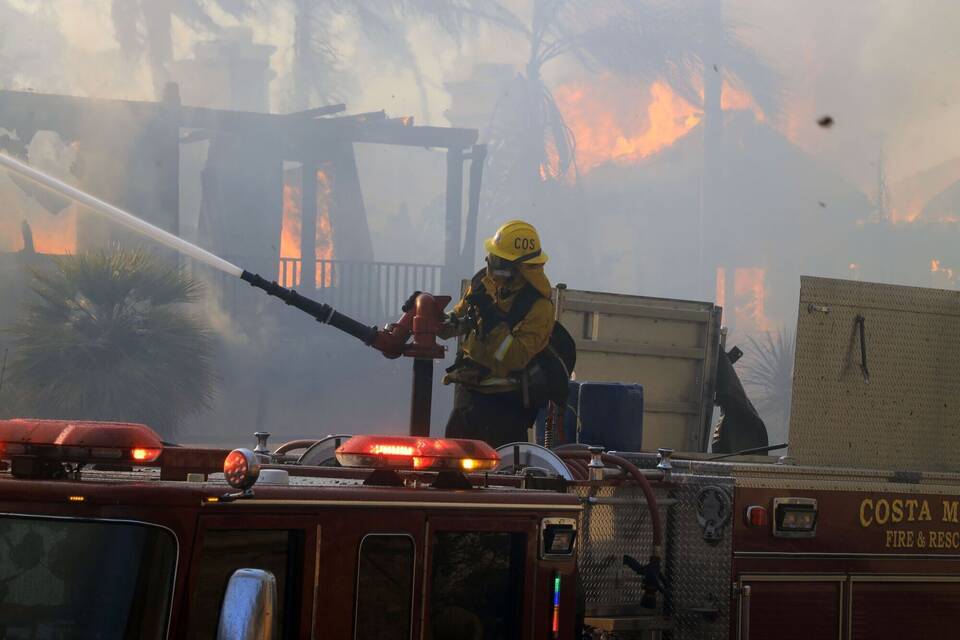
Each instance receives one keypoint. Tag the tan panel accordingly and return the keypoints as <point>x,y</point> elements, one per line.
<point>665,430</point>
<point>908,415</point>
<point>663,379</point>
<point>668,346</point>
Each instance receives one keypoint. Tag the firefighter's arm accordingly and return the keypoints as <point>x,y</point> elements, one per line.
<point>529,337</point>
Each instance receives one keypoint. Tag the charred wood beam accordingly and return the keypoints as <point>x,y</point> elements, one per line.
<point>442,137</point>
<point>308,227</point>
<point>327,110</point>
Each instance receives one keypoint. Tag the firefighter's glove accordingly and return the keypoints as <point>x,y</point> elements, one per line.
<point>485,308</point>
<point>466,374</point>
<point>411,302</point>
<point>453,326</point>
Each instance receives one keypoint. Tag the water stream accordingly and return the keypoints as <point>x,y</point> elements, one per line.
<point>118,215</point>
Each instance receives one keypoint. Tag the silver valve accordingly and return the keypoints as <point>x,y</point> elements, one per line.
<point>663,462</point>
<point>596,463</point>
<point>261,449</point>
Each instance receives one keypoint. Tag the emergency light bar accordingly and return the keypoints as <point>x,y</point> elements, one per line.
<point>79,441</point>
<point>418,454</point>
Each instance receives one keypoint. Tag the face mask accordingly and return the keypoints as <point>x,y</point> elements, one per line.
<point>499,268</point>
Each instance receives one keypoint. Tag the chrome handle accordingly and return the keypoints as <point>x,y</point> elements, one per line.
<point>744,622</point>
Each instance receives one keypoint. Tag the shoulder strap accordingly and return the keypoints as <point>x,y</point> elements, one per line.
<point>526,298</point>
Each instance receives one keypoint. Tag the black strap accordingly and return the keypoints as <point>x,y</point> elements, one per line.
<point>522,304</point>
<point>526,298</point>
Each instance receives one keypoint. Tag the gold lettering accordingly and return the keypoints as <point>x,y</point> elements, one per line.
<point>896,511</point>
<point>950,511</point>
<point>891,541</point>
<point>881,512</point>
<point>912,504</point>
<point>925,511</point>
<point>866,513</point>
<point>909,539</point>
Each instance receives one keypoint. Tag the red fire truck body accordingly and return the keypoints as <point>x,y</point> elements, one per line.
<point>349,560</point>
<point>750,551</point>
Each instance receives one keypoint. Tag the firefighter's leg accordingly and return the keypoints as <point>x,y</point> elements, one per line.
<point>496,418</point>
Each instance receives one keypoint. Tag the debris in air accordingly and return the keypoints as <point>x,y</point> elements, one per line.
<point>823,205</point>
<point>826,122</point>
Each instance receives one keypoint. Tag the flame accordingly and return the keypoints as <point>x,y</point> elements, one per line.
<point>750,294</point>
<point>735,99</point>
<point>614,120</point>
<point>607,126</point>
<point>941,274</point>
<point>291,226</point>
<point>54,234</point>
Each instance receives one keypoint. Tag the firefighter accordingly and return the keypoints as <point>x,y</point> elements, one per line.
<point>506,318</point>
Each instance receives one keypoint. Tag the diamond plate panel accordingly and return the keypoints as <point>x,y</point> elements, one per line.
<point>908,415</point>
<point>697,572</point>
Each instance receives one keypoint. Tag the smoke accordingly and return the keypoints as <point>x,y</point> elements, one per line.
<point>790,196</point>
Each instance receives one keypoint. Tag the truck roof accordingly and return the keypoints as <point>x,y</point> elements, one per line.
<point>145,486</point>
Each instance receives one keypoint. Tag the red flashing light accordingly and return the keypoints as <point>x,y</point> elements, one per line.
<point>79,441</point>
<point>757,516</point>
<point>421,454</point>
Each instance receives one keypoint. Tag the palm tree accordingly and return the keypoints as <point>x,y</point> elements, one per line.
<point>687,45</point>
<point>768,376</point>
<point>144,27</point>
<point>317,76</point>
<point>109,337</point>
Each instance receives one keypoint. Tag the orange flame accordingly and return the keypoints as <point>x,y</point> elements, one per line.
<point>614,120</point>
<point>291,230</point>
<point>940,274</point>
<point>606,124</point>
<point>749,291</point>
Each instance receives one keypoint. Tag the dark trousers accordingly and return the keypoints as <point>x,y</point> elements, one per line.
<point>495,418</point>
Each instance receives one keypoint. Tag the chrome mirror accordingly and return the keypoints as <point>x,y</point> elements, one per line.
<point>249,606</point>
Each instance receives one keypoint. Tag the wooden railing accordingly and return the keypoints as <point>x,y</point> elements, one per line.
<point>369,291</point>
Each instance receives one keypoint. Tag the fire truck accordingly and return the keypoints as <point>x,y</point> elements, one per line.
<point>109,532</point>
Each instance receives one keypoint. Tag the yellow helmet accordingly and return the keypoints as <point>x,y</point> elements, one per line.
<point>518,242</point>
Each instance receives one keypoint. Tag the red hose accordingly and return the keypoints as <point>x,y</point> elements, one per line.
<point>578,469</point>
<point>629,467</point>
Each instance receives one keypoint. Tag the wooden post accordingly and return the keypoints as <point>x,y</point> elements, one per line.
<point>468,255</point>
<point>308,225</point>
<point>452,269</point>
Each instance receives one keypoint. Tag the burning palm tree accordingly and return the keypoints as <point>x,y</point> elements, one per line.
<point>768,376</point>
<point>689,46</point>
<point>109,338</point>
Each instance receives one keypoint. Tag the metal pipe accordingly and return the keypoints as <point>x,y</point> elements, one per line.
<point>322,312</point>
<point>294,444</point>
<point>421,397</point>
<point>744,621</point>
<point>641,479</point>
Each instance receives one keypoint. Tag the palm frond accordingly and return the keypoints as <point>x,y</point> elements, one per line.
<point>109,337</point>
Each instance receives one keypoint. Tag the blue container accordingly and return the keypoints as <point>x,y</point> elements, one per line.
<point>611,416</point>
